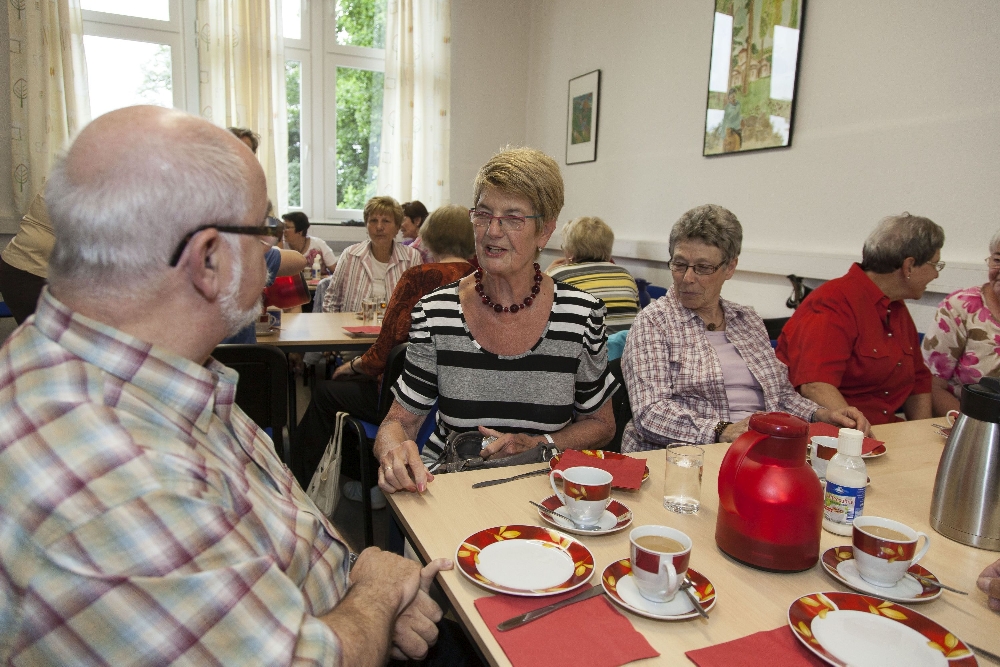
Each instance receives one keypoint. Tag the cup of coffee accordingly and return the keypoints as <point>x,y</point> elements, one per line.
<point>659,557</point>
<point>586,492</point>
<point>885,549</point>
<point>274,317</point>
<point>823,449</point>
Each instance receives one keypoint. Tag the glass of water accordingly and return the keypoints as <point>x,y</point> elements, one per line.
<point>682,478</point>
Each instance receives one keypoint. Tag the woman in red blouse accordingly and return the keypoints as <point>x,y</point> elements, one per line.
<point>448,235</point>
<point>853,341</point>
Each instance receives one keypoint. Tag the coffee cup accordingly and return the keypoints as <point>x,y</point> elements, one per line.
<point>586,492</point>
<point>885,549</point>
<point>274,317</point>
<point>824,447</point>
<point>659,557</point>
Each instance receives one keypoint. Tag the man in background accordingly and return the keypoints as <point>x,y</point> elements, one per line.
<point>146,519</point>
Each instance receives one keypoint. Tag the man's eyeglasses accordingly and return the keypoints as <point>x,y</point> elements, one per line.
<point>680,268</point>
<point>993,262</point>
<point>273,228</point>
<point>512,223</point>
<point>939,266</point>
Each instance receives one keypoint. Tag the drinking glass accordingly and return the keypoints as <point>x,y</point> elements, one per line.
<point>368,308</point>
<point>682,478</point>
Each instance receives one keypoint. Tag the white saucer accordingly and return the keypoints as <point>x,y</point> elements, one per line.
<point>839,563</point>
<point>608,523</point>
<point>620,586</point>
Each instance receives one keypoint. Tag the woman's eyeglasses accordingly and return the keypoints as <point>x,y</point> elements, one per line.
<point>273,228</point>
<point>513,223</point>
<point>680,268</point>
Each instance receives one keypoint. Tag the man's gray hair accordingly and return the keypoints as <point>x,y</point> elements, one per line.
<point>120,225</point>
<point>712,225</point>
<point>897,237</point>
<point>995,243</point>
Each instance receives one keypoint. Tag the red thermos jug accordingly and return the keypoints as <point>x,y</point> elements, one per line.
<point>770,499</point>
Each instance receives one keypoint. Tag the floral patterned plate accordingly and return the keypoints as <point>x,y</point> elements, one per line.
<point>620,587</point>
<point>525,560</point>
<point>864,630</point>
<point>875,453</point>
<point>839,563</point>
<point>616,517</point>
<point>598,454</point>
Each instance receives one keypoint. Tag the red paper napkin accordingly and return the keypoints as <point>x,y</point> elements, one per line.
<point>627,471</point>
<point>772,647</point>
<point>822,428</point>
<point>603,637</point>
<point>369,330</point>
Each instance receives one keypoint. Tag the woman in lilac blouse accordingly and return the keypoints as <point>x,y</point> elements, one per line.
<point>964,344</point>
<point>696,365</point>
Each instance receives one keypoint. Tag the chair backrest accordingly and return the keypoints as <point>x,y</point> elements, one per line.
<point>655,292</point>
<point>622,407</point>
<point>393,369</point>
<point>262,391</point>
<point>320,291</point>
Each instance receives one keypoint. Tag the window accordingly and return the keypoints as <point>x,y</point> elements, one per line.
<point>137,54</point>
<point>334,60</point>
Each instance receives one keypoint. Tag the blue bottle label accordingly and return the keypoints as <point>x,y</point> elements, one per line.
<point>842,504</point>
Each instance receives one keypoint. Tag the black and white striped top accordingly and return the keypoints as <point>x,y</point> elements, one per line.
<point>566,372</point>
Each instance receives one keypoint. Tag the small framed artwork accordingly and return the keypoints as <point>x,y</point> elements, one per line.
<point>753,75</point>
<point>581,124</point>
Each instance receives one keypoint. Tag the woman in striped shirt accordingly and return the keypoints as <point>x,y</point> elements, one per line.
<point>586,263</point>
<point>506,350</point>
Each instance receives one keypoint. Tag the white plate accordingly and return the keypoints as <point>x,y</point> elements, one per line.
<point>862,639</point>
<point>524,560</point>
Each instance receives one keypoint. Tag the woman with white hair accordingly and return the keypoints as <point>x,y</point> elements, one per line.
<point>586,264</point>
<point>964,344</point>
<point>853,341</point>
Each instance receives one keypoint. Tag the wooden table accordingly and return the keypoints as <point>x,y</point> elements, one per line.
<point>314,332</point>
<point>310,332</point>
<point>749,600</point>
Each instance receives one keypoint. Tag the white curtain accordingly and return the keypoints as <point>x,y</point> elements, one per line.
<point>413,157</point>
<point>48,78</point>
<point>242,79</point>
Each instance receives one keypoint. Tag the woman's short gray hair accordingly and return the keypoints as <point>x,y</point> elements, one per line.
<point>448,231</point>
<point>120,225</point>
<point>897,237</point>
<point>995,243</point>
<point>712,225</point>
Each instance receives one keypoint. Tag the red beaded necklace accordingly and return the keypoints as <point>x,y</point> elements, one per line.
<point>514,307</point>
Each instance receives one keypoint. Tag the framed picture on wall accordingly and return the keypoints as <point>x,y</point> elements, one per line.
<point>581,121</point>
<point>753,75</point>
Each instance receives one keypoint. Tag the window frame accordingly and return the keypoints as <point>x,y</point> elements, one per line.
<point>320,56</point>
<point>183,44</point>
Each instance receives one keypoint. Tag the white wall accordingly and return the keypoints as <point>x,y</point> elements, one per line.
<point>489,84</point>
<point>896,110</point>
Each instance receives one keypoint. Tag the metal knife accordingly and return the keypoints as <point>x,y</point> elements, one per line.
<point>479,485</point>
<point>518,621</point>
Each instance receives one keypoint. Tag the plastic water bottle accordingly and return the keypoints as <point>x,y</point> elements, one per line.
<point>846,478</point>
<point>317,268</point>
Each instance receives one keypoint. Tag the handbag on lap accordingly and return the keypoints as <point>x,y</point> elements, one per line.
<point>324,487</point>
<point>461,453</point>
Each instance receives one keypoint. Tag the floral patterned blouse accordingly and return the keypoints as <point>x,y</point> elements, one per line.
<point>964,345</point>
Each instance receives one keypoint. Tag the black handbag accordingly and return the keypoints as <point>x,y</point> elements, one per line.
<point>461,453</point>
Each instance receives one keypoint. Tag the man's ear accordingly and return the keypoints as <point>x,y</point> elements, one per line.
<point>206,254</point>
<point>907,267</point>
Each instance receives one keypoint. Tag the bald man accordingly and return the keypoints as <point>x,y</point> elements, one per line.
<point>144,518</point>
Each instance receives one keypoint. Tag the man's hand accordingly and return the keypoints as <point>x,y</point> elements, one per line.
<point>507,444</point>
<point>401,469</point>
<point>848,417</point>
<point>989,583</point>
<point>416,630</point>
<point>387,577</point>
<point>343,371</point>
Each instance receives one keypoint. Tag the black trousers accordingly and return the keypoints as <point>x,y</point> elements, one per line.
<point>358,396</point>
<point>20,290</point>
